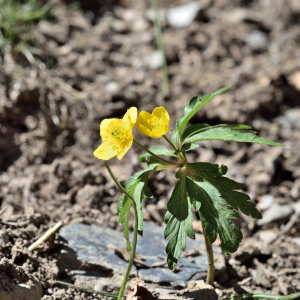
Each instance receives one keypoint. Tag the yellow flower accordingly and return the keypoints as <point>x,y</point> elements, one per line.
<point>116,135</point>
<point>154,125</point>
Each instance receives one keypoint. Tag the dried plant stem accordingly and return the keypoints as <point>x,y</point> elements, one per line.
<point>135,229</point>
<point>161,47</point>
<point>210,261</point>
<point>45,236</point>
<point>87,290</point>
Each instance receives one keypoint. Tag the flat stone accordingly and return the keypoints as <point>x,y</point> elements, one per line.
<point>95,245</point>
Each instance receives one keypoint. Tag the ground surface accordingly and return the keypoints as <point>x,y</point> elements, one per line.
<point>95,64</point>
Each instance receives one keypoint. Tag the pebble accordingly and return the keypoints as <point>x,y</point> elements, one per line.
<point>296,240</point>
<point>275,213</point>
<point>257,40</point>
<point>112,87</point>
<point>266,201</point>
<point>156,60</point>
<point>293,117</point>
<point>267,235</point>
<point>183,15</point>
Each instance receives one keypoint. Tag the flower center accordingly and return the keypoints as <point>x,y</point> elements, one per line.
<point>155,122</point>
<point>117,131</point>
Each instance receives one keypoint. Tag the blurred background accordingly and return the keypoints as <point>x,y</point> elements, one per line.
<point>66,65</point>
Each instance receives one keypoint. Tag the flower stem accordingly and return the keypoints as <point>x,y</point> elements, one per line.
<point>164,161</point>
<point>160,46</point>
<point>210,260</point>
<point>171,144</point>
<point>265,296</point>
<point>135,229</point>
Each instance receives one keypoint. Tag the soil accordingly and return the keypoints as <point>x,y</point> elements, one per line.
<point>94,64</point>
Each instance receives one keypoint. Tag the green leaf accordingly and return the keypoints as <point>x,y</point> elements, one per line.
<point>179,220</point>
<point>123,208</point>
<point>193,129</point>
<point>215,214</point>
<point>226,187</point>
<point>229,133</point>
<point>194,105</point>
<point>158,151</point>
<point>189,146</point>
<point>197,128</point>
<point>175,138</point>
<point>137,188</point>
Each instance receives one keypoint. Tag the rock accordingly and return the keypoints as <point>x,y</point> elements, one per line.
<point>293,117</point>
<point>295,191</point>
<point>296,206</point>
<point>275,213</point>
<point>156,60</point>
<point>295,80</point>
<point>112,87</point>
<point>198,290</point>
<point>296,240</point>
<point>265,202</point>
<point>257,40</point>
<point>267,235</point>
<point>183,15</point>
<point>238,15</point>
<point>31,290</point>
<point>98,246</point>
<point>261,279</point>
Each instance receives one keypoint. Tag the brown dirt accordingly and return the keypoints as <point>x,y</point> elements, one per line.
<point>94,66</point>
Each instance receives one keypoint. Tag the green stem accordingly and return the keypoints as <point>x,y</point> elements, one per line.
<point>164,161</point>
<point>265,296</point>
<point>210,260</point>
<point>117,181</point>
<point>160,46</point>
<point>132,253</point>
<point>171,144</point>
<point>135,229</point>
<point>87,290</point>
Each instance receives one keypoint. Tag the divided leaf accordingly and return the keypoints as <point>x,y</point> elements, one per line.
<point>237,133</point>
<point>226,187</point>
<point>215,214</point>
<point>194,105</point>
<point>179,220</point>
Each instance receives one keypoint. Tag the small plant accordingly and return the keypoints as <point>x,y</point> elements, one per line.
<point>16,19</point>
<point>201,185</point>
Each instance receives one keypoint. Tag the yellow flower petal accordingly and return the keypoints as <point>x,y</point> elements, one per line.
<point>154,125</point>
<point>143,123</point>
<point>130,116</point>
<point>105,151</point>
<point>125,147</point>
<point>104,129</point>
